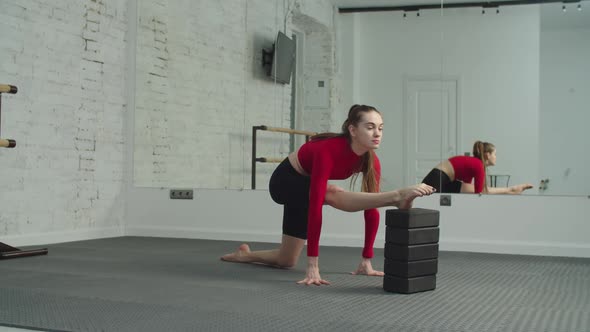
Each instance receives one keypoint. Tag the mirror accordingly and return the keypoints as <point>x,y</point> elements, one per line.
<point>198,94</point>
<point>564,98</point>
<point>524,76</point>
<point>517,78</point>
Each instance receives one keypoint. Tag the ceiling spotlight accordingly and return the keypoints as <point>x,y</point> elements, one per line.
<point>563,8</point>
<point>579,7</point>
<point>497,10</point>
<point>417,13</point>
<point>483,11</point>
<point>405,14</point>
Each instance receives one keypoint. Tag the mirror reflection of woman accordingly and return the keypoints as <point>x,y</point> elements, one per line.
<point>465,174</point>
<point>300,183</point>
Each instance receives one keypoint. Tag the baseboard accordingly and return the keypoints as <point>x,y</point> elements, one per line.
<point>60,237</point>
<point>354,240</point>
<point>203,233</point>
<point>517,248</point>
<point>345,240</point>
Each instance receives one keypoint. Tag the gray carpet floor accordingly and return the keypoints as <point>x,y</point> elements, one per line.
<point>160,284</point>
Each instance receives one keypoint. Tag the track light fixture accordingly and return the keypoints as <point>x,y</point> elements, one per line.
<point>489,4</point>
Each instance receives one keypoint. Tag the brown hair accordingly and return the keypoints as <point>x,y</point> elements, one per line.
<point>479,150</point>
<point>355,114</point>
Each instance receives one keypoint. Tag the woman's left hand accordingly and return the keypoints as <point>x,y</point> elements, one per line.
<point>365,268</point>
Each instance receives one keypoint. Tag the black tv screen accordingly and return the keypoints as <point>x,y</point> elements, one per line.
<point>283,59</point>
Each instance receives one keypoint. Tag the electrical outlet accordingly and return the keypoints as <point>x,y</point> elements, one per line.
<point>445,200</point>
<point>181,194</point>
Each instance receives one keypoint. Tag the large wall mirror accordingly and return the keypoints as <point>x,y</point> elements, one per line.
<point>523,72</point>
<point>512,75</point>
<point>199,95</point>
<point>564,98</point>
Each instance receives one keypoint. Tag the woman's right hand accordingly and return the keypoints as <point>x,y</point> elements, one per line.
<point>312,275</point>
<point>518,189</point>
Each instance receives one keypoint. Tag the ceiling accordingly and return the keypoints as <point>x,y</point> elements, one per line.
<point>380,3</point>
<point>551,13</point>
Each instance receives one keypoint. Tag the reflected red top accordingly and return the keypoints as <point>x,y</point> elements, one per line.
<point>468,169</point>
<point>332,159</point>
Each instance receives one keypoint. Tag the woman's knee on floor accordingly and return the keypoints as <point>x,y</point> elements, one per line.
<point>287,261</point>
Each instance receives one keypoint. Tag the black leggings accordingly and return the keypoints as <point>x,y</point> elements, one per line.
<point>441,182</point>
<point>291,189</point>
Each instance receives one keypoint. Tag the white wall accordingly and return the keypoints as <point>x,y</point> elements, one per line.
<point>66,177</point>
<point>496,61</point>
<point>531,225</point>
<point>565,114</point>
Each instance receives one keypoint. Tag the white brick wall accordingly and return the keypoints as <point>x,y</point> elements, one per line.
<point>200,88</point>
<point>67,59</point>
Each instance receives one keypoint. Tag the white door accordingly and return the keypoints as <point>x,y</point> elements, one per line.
<point>430,116</point>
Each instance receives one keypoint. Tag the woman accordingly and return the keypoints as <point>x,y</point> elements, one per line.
<point>300,183</point>
<point>465,174</point>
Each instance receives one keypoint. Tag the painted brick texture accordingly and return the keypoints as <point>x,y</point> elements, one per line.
<point>67,59</point>
<point>201,87</point>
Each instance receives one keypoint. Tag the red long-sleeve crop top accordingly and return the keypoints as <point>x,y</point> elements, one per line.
<point>469,168</point>
<point>333,159</point>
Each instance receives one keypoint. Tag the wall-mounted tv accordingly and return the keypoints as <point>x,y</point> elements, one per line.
<point>280,60</point>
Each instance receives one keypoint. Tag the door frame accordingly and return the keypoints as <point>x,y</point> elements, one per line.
<point>406,128</point>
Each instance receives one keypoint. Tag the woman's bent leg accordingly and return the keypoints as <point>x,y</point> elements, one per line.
<point>285,256</point>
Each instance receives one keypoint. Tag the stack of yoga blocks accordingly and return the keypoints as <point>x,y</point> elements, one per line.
<point>411,250</point>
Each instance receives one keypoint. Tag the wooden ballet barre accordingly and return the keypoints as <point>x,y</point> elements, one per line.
<point>290,131</point>
<point>269,160</point>
<point>287,130</point>
<point>7,251</point>
<point>7,88</point>
<point>7,143</point>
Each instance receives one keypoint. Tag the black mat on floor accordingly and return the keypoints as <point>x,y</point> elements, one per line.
<point>159,284</point>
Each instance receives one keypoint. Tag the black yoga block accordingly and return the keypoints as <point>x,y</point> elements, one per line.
<point>411,269</point>
<point>411,252</point>
<point>411,218</point>
<point>395,284</point>
<point>412,235</point>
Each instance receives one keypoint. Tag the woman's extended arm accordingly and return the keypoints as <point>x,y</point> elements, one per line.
<point>512,190</point>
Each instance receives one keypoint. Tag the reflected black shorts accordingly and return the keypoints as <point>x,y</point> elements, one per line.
<point>441,182</point>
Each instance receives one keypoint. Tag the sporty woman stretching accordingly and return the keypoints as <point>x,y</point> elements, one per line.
<point>300,183</point>
<point>465,174</point>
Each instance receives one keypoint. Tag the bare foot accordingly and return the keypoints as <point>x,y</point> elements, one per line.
<point>408,194</point>
<point>366,268</point>
<point>240,255</point>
